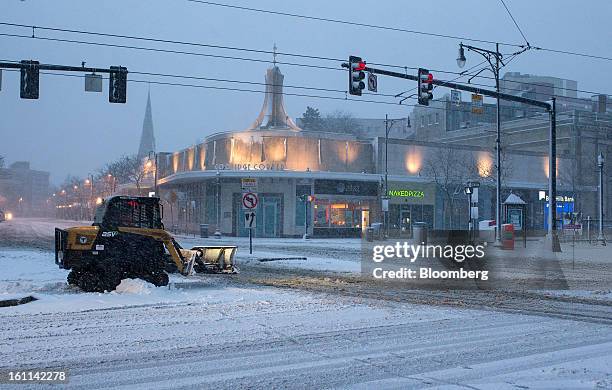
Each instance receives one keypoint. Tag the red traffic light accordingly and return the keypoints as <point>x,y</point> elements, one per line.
<point>429,78</point>
<point>361,65</point>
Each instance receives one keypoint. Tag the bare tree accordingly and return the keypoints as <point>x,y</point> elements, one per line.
<point>1,161</point>
<point>450,168</point>
<point>341,122</point>
<point>127,169</point>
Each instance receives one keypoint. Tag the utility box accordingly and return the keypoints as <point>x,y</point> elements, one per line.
<point>419,232</point>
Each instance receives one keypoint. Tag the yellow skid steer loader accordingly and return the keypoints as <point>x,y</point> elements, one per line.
<point>128,240</point>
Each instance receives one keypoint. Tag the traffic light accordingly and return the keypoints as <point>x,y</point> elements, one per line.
<point>117,90</point>
<point>425,85</point>
<point>29,79</point>
<point>356,75</point>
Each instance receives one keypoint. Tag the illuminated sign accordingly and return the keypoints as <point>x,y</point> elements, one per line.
<point>251,167</point>
<point>542,195</point>
<point>407,193</point>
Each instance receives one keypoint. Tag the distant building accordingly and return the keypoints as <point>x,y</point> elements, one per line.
<point>24,191</point>
<point>537,87</point>
<point>367,127</point>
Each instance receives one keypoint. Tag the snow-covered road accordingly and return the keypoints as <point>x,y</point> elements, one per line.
<point>296,324</point>
<point>261,337</point>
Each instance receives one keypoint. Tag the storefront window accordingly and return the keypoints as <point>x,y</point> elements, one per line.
<point>336,214</point>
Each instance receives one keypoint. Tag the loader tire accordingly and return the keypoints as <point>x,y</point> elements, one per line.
<point>88,280</point>
<point>73,277</point>
<point>158,278</point>
<point>109,280</point>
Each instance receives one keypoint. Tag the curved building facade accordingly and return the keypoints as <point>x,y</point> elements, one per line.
<point>342,173</point>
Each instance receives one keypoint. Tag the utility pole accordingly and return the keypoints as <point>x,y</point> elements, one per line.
<point>218,230</point>
<point>498,150</point>
<point>600,164</point>
<point>552,179</point>
<point>388,126</point>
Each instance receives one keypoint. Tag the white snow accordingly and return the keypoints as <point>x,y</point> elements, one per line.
<point>134,286</point>
<point>207,331</point>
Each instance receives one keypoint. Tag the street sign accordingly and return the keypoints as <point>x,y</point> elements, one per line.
<point>372,82</point>
<point>385,203</point>
<point>456,97</point>
<point>477,104</point>
<point>250,220</point>
<point>93,82</point>
<point>249,200</point>
<point>249,184</point>
<point>474,212</point>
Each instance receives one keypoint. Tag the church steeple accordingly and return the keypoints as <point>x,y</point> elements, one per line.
<point>147,139</point>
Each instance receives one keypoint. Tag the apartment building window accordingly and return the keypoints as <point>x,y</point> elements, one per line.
<point>422,121</point>
<point>437,118</point>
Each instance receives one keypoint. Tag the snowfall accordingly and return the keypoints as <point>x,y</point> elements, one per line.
<point>219,331</point>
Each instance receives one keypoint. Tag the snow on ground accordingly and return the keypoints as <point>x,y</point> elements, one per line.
<point>334,255</point>
<point>207,331</point>
<point>262,337</point>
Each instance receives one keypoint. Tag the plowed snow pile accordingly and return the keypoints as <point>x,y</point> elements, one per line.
<point>134,286</point>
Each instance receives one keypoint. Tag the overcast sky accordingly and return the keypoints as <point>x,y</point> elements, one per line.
<point>68,131</point>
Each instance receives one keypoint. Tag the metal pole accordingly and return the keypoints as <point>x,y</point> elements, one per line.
<point>600,236</point>
<point>552,179</point>
<point>386,173</point>
<point>470,218</point>
<point>92,202</point>
<point>155,176</point>
<point>305,217</point>
<point>218,230</point>
<point>498,151</point>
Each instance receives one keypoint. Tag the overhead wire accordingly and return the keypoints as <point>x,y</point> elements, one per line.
<point>225,47</point>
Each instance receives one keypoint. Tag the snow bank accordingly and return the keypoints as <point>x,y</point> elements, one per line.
<point>134,286</point>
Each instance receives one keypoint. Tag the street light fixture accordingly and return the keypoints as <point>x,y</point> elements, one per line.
<point>461,58</point>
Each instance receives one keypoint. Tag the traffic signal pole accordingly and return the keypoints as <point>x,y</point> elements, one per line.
<point>549,107</point>
<point>62,68</point>
<point>118,76</point>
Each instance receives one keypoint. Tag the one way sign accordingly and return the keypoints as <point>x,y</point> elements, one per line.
<point>250,220</point>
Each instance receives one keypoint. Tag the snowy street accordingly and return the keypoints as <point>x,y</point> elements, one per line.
<point>294,324</point>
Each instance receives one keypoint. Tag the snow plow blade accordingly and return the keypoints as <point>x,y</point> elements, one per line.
<point>212,259</point>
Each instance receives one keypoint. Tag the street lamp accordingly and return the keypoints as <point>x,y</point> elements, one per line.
<point>600,164</point>
<point>494,58</point>
<point>217,230</point>
<point>461,58</point>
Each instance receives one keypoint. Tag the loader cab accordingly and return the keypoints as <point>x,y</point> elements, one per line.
<point>129,211</point>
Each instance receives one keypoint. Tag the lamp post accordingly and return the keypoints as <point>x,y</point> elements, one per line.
<point>600,164</point>
<point>155,171</point>
<point>385,199</point>
<point>494,58</point>
<point>218,202</point>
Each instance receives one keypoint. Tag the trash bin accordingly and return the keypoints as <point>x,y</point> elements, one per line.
<point>419,232</point>
<point>204,230</point>
<point>369,234</point>
<point>507,236</point>
<point>377,230</point>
